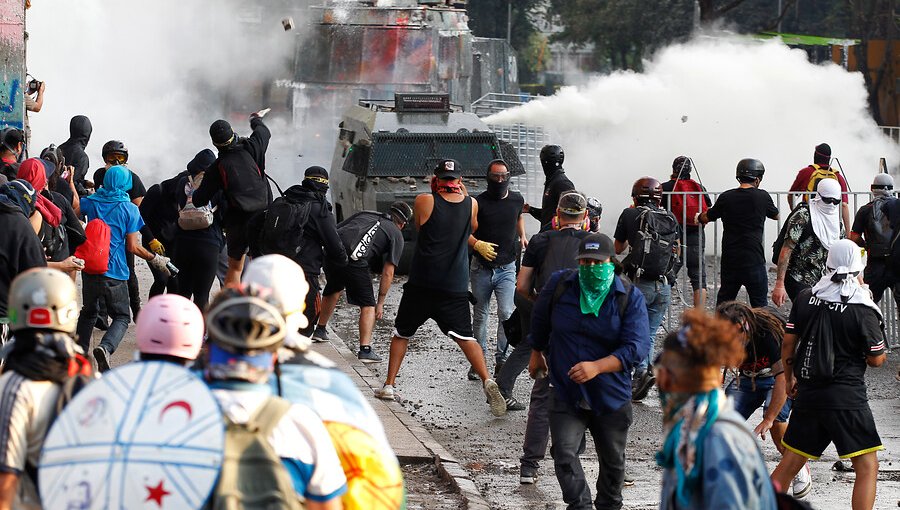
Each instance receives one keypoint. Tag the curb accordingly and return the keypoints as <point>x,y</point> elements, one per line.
<point>448,467</point>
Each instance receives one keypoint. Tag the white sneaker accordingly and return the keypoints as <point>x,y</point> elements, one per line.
<point>495,398</point>
<point>385,393</point>
<point>802,483</point>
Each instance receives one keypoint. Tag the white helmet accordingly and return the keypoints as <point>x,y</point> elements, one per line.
<point>286,282</point>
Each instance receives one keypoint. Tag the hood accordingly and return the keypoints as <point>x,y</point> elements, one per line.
<point>201,162</point>
<point>80,129</point>
<point>300,193</point>
<point>19,194</point>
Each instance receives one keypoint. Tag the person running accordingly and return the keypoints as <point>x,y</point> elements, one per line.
<point>592,328</point>
<point>240,172</point>
<point>43,357</point>
<point>872,230</point>
<point>653,234</point>
<point>759,379</point>
<point>690,198</point>
<point>743,211</point>
<point>73,151</point>
<point>501,235</point>
<point>703,433</point>
<point>811,231</point>
<point>374,241</point>
<point>807,180</point>
<point>555,184</point>
<point>170,328</point>
<point>828,384</point>
<point>112,205</point>
<point>444,218</point>
<point>245,333</point>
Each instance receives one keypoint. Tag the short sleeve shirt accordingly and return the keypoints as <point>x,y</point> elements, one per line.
<point>761,353</point>
<point>801,182</point>
<point>123,218</point>
<point>627,229</point>
<point>743,212</point>
<point>808,256</point>
<point>368,244</point>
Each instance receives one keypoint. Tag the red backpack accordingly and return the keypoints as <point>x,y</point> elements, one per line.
<point>686,206</point>
<point>95,250</point>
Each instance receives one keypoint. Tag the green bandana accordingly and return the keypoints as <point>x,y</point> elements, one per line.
<point>595,281</point>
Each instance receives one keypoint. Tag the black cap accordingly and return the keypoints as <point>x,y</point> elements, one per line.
<point>447,169</point>
<point>572,203</point>
<point>596,247</point>
<point>221,133</point>
<point>316,171</point>
<point>201,161</point>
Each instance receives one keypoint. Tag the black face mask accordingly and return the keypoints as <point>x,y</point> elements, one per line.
<point>317,187</point>
<point>497,189</point>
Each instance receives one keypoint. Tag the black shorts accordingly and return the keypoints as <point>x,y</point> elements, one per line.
<point>852,431</point>
<point>355,279</point>
<point>236,240</point>
<point>450,312</point>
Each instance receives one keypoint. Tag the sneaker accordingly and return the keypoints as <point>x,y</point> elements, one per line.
<point>641,386</point>
<point>367,355</point>
<point>802,483</point>
<point>514,405</point>
<point>495,398</point>
<point>385,393</point>
<point>472,375</point>
<point>628,481</point>
<point>527,475</point>
<point>320,335</point>
<point>101,356</point>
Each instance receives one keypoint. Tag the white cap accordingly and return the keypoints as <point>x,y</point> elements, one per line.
<point>285,279</point>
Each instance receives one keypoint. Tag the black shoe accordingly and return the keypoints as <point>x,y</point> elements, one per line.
<point>527,475</point>
<point>472,375</point>
<point>628,481</point>
<point>367,355</point>
<point>101,356</point>
<point>512,404</point>
<point>101,324</point>
<point>641,385</point>
<point>320,335</point>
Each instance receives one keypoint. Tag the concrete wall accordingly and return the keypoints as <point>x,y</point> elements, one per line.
<point>12,63</point>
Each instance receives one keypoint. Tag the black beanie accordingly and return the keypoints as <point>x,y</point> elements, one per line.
<point>822,155</point>
<point>316,171</point>
<point>221,133</point>
<point>201,162</point>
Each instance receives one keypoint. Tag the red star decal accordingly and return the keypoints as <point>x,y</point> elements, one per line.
<point>156,493</point>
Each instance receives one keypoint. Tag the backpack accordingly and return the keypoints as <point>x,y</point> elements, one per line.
<point>560,254</point>
<point>779,240</point>
<point>653,255</point>
<point>191,217</point>
<point>244,183</point>
<point>282,228</point>
<point>818,174</point>
<point>815,352</point>
<point>685,207</point>
<point>95,250</point>
<point>879,234</point>
<point>253,476</point>
<point>52,238</point>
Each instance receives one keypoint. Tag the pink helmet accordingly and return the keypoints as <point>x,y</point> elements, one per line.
<point>170,325</point>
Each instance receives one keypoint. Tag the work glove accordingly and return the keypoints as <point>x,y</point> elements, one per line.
<point>157,247</point>
<point>159,263</point>
<point>487,250</point>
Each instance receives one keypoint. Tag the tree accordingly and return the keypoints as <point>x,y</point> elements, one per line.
<point>873,19</point>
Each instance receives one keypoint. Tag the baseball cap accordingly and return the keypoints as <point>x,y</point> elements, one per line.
<point>572,203</point>
<point>447,169</point>
<point>596,246</point>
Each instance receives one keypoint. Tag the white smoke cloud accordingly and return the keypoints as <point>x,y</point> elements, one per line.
<point>154,75</point>
<point>717,100</point>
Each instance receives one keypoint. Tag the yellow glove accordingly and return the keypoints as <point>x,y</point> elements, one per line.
<point>487,250</point>
<point>157,247</point>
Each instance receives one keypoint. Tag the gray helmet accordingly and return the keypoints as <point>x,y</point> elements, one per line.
<point>883,181</point>
<point>246,324</point>
<point>43,298</point>
<point>750,168</point>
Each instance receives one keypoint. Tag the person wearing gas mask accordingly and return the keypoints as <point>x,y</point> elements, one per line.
<point>501,232</point>
<point>556,183</point>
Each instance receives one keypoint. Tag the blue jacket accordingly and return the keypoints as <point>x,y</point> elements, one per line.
<point>567,337</point>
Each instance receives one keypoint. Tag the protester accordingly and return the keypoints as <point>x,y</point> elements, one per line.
<point>240,173</point>
<point>245,333</point>
<point>170,328</point>
<point>834,332</point>
<point>811,230</point>
<point>42,359</point>
<point>111,204</point>
<point>34,102</point>
<point>12,144</point>
<point>500,237</point>
<point>807,180</point>
<point>61,180</point>
<point>873,231</point>
<point>690,198</point>
<point>73,150</point>
<point>374,241</point>
<point>743,211</point>
<point>710,458</point>
<point>445,218</point>
<point>555,184</point>
<point>595,211</point>
<point>654,236</point>
<point>592,327</point>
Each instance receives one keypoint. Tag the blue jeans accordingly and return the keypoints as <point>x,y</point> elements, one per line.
<point>115,292</point>
<point>746,399</point>
<point>657,294</point>
<point>502,282</point>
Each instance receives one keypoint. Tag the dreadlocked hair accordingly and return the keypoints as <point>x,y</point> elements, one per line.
<point>704,340</point>
<point>754,321</point>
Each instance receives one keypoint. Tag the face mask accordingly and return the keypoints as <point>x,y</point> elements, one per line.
<point>827,208</point>
<point>318,187</point>
<point>595,281</point>
<point>497,189</point>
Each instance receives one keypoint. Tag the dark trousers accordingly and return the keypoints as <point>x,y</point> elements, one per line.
<point>517,360</point>
<point>793,287</point>
<point>537,428</point>
<point>134,290</point>
<point>879,277</point>
<point>610,433</point>
<point>197,264</point>
<point>313,304</point>
<point>97,288</point>
<point>755,279</point>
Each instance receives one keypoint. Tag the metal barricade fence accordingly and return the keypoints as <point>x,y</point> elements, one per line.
<point>710,256</point>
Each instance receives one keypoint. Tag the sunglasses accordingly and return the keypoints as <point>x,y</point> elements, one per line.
<point>832,201</point>
<point>499,177</point>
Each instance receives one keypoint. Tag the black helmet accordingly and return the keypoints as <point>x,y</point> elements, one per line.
<point>114,147</point>
<point>402,211</point>
<point>10,138</point>
<point>595,208</point>
<point>749,169</point>
<point>647,188</point>
<point>552,157</point>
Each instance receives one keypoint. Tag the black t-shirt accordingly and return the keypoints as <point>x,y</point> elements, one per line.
<point>497,221</point>
<point>878,239</point>
<point>762,352</point>
<point>628,228</point>
<point>368,245</point>
<point>858,332</point>
<point>743,212</point>
<point>137,186</point>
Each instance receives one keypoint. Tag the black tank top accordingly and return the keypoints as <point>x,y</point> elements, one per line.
<point>441,259</point>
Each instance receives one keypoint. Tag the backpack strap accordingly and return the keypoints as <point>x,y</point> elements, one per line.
<point>624,299</point>
<point>267,417</point>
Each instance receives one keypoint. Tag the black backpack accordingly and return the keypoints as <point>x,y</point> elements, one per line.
<point>879,233</point>
<point>779,241</point>
<point>282,228</point>
<point>52,238</point>
<point>654,252</point>
<point>814,361</point>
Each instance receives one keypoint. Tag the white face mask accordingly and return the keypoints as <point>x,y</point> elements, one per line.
<point>827,208</point>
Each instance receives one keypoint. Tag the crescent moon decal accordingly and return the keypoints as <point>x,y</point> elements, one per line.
<point>178,403</point>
